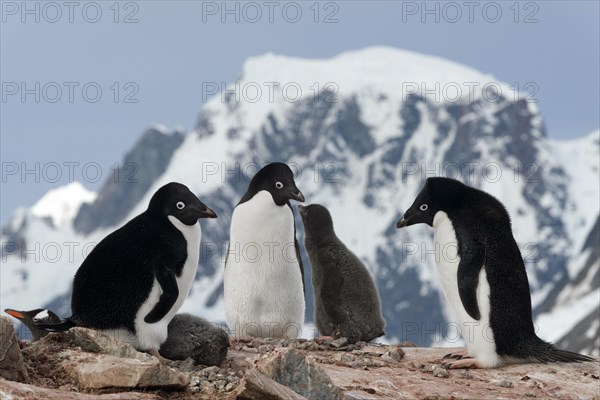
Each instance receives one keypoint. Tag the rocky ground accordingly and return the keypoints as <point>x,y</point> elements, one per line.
<point>83,364</point>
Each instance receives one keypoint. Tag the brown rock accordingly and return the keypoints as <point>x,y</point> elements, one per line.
<point>12,366</point>
<point>9,389</point>
<point>337,343</point>
<point>99,371</point>
<point>96,342</point>
<point>256,386</point>
<point>291,368</point>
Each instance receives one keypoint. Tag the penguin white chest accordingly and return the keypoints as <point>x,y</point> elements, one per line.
<point>264,293</point>
<point>477,334</point>
<point>151,336</point>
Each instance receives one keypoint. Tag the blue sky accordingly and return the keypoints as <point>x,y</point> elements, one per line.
<point>163,59</point>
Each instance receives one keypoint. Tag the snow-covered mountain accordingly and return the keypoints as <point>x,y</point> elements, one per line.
<point>362,130</point>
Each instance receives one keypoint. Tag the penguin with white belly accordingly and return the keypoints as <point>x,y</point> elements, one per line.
<point>482,275</point>
<point>133,282</point>
<point>264,277</point>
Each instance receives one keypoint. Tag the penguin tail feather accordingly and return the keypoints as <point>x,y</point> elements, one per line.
<point>67,324</point>
<point>547,352</point>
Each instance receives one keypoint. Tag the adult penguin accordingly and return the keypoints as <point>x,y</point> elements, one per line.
<point>264,278</point>
<point>133,282</point>
<point>482,275</point>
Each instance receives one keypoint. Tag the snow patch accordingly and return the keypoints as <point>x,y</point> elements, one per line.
<point>62,204</point>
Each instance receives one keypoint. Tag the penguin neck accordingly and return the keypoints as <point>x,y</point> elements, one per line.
<point>260,209</point>
<point>191,233</point>
<point>439,218</point>
<point>261,220</point>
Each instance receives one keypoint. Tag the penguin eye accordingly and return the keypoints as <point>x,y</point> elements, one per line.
<point>423,207</point>
<point>278,185</point>
<point>180,205</point>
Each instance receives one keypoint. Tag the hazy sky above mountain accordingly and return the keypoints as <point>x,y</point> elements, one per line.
<point>164,59</point>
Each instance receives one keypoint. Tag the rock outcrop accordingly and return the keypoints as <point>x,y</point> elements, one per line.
<point>83,364</point>
<point>88,360</point>
<point>11,361</point>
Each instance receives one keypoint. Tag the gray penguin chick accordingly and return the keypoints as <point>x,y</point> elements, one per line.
<point>346,299</point>
<point>195,337</point>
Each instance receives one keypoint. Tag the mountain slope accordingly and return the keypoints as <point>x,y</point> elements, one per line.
<point>362,141</point>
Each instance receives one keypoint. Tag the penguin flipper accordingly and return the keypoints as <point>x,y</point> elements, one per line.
<point>65,325</point>
<point>170,291</point>
<point>472,256</point>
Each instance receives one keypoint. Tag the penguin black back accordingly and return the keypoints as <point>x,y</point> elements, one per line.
<point>118,275</point>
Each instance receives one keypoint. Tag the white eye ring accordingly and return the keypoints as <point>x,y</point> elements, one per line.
<point>180,205</point>
<point>423,207</point>
<point>278,185</point>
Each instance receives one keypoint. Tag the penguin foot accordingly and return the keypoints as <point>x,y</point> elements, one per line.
<point>463,363</point>
<point>457,355</point>
<point>155,353</point>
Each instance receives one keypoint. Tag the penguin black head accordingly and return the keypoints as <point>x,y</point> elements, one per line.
<point>278,179</point>
<point>175,199</point>
<point>316,219</point>
<point>438,194</point>
<point>32,317</point>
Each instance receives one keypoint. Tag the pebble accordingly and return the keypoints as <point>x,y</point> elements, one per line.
<point>505,384</point>
<point>464,374</point>
<point>302,346</point>
<point>440,372</point>
<point>229,387</point>
<point>220,384</point>
<point>207,371</point>
<point>187,365</point>
<point>337,343</point>
<point>194,380</point>
<point>265,348</point>
<point>374,350</point>
<point>250,349</point>
<point>207,388</point>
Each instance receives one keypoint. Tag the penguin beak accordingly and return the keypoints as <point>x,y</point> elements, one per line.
<point>298,196</point>
<point>402,223</point>
<point>15,313</point>
<point>207,213</point>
